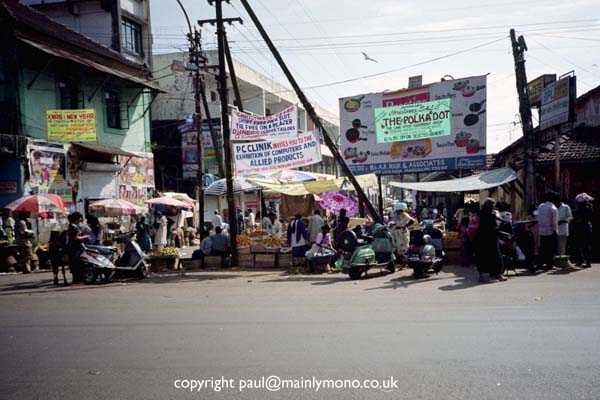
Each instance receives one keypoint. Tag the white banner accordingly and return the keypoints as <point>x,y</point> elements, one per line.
<point>276,154</point>
<point>246,126</point>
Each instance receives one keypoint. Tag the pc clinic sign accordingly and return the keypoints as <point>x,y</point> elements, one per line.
<point>71,125</point>
<point>413,121</point>
<point>558,101</point>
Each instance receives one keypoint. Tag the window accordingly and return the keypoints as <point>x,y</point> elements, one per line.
<point>131,36</point>
<point>113,109</point>
<point>69,94</point>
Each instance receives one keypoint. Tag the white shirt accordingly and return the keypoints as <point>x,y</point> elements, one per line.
<point>217,221</point>
<point>548,219</point>
<point>564,214</point>
<point>251,220</point>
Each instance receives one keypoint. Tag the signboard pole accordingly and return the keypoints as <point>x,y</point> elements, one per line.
<point>311,112</point>
<point>380,195</point>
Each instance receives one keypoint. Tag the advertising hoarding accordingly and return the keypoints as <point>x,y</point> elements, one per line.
<point>558,100</point>
<point>251,127</point>
<point>71,125</point>
<point>464,148</point>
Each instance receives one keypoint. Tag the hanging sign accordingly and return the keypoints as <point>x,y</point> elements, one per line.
<point>276,154</point>
<point>245,126</point>
<point>71,125</point>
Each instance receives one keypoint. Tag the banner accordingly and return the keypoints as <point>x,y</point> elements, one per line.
<point>464,148</point>
<point>246,126</point>
<point>412,121</point>
<point>47,169</point>
<point>557,101</point>
<point>277,154</point>
<point>189,149</point>
<point>136,179</point>
<point>71,125</point>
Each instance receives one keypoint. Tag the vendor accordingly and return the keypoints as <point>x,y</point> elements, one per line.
<point>322,243</point>
<point>400,234</point>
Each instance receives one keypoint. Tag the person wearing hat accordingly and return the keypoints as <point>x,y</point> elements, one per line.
<point>400,233</point>
<point>582,229</point>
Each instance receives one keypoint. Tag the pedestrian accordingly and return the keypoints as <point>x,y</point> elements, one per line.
<point>9,227</point>
<point>240,220</point>
<point>75,240</point>
<point>341,225</point>
<point>24,236</point>
<point>143,234</point>
<point>266,223</point>
<point>56,247</point>
<point>582,229</point>
<point>161,231</point>
<point>548,230</point>
<point>93,231</point>
<point>400,233</point>
<point>466,252</point>
<point>564,218</point>
<point>315,223</point>
<point>251,219</point>
<point>217,221</point>
<point>296,237</point>
<point>487,252</point>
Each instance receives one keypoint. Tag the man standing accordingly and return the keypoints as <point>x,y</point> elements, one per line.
<point>564,217</point>
<point>548,228</point>
<point>251,219</point>
<point>296,237</point>
<point>315,223</point>
<point>217,221</point>
<point>24,244</point>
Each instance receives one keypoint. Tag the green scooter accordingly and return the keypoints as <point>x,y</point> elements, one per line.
<point>373,250</point>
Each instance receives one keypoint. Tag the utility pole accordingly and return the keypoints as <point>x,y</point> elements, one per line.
<point>362,197</point>
<point>225,122</point>
<point>195,59</point>
<point>519,48</point>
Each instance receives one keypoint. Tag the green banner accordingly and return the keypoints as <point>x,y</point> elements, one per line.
<point>413,121</point>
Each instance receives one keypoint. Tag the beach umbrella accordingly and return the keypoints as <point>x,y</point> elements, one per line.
<point>169,201</point>
<point>219,188</point>
<point>292,176</point>
<point>335,201</point>
<point>38,204</point>
<point>115,207</point>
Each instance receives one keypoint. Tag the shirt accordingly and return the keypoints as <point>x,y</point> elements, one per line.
<point>219,242</point>
<point>266,224</point>
<point>564,214</point>
<point>251,220</point>
<point>547,219</point>
<point>206,246</point>
<point>217,221</point>
<point>315,223</point>
<point>296,232</point>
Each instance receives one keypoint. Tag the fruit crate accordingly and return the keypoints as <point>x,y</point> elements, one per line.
<point>258,249</point>
<point>265,260</point>
<point>284,260</point>
<point>245,260</point>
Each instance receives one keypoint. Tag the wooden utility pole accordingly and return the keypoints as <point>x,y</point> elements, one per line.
<point>362,197</point>
<point>519,48</point>
<point>196,59</point>
<point>232,217</point>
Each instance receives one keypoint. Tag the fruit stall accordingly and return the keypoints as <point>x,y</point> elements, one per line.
<point>256,249</point>
<point>165,259</point>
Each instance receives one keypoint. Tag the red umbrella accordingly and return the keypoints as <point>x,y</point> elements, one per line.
<point>38,204</point>
<point>170,201</point>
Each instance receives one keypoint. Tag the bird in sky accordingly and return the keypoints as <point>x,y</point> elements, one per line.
<point>367,58</point>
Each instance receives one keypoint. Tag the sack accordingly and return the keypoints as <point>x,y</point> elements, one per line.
<point>520,255</point>
<point>473,228</point>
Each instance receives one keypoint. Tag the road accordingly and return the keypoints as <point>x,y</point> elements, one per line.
<point>447,337</point>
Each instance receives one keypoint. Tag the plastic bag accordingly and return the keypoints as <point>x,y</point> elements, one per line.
<point>520,255</point>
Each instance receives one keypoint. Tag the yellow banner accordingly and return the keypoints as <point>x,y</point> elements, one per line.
<point>71,125</point>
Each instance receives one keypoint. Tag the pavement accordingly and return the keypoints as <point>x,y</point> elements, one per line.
<point>445,337</point>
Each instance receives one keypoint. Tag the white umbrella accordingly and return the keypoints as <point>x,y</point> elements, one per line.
<point>219,188</point>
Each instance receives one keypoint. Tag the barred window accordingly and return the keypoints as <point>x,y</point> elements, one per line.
<point>131,36</point>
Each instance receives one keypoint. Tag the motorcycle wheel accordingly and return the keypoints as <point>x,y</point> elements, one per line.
<point>142,272</point>
<point>355,274</point>
<point>392,267</point>
<point>419,272</point>
<point>89,276</point>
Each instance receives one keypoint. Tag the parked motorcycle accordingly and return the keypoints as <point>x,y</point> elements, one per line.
<point>373,250</point>
<point>105,262</point>
<point>510,240</point>
<point>422,255</point>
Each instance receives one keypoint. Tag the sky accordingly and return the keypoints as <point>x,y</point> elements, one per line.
<point>322,41</point>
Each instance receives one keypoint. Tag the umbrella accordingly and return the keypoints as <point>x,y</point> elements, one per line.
<point>219,188</point>
<point>335,201</point>
<point>169,201</point>
<point>115,207</point>
<point>38,204</point>
<point>293,176</point>
<point>179,196</point>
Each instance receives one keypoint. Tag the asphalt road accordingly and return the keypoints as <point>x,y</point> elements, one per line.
<point>532,337</point>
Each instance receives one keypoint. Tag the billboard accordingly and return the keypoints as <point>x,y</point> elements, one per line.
<point>252,127</point>
<point>47,167</point>
<point>71,125</point>
<point>464,147</point>
<point>189,149</point>
<point>536,87</point>
<point>558,102</point>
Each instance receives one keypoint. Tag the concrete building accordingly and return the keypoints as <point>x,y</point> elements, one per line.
<point>48,70</point>
<point>122,25</point>
<point>260,96</point>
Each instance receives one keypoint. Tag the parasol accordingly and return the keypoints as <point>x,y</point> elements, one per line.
<point>115,207</point>
<point>170,201</point>
<point>219,188</point>
<point>38,204</point>
<point>335,201</point>
<point>292,176</point>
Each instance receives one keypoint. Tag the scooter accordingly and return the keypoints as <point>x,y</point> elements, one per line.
<point>373,250</point>
<point>105,261</point>
<point>422,255</point>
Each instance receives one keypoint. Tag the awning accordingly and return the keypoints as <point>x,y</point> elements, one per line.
<point>112,151</point>
<point>57,52</point>
<point>304,188</point>
<point>483,181</point>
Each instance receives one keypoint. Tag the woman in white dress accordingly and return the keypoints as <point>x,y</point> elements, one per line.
<point>161,231</point>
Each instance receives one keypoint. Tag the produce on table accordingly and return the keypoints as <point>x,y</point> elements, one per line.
<point>274,242</point>
<point>244,240</point>
<point>167,251</point>
<point>258,233</point>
